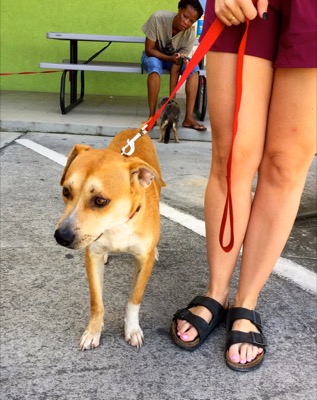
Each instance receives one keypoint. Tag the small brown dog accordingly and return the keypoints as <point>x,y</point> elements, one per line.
<point>169,121</point>
<point>112,205</point>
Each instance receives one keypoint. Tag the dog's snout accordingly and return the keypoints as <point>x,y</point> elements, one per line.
<point>64,237</point>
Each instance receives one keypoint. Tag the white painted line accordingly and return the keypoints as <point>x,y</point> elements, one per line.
<point>284,268</point>
<point>186,220</point>
<point>299,275</point>
<point>44,151</point>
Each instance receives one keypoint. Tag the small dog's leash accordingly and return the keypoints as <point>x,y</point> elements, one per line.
<point>208,40</point>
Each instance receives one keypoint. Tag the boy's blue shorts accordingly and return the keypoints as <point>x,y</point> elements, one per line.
<point>153,64</point>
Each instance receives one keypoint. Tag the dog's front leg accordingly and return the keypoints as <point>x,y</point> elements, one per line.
<point>95,271</point>
<point>142,271</point>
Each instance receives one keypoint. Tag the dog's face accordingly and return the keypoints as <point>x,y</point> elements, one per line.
<point>101,190</point>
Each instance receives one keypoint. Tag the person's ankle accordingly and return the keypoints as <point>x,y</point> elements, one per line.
<point>245,302</point>
<point>221,296</point>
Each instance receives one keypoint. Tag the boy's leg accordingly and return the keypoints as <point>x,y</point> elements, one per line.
<point>154,68</point>
<point>191,90</point>
<point>153,88</point>
<point>174,76</point>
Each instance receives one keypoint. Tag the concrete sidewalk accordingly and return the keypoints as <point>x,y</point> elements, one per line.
<point>45,298</point>
<point>96,115</point>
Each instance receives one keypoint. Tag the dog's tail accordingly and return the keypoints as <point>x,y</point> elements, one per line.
<point>167,135</point>
<point>168,129</point>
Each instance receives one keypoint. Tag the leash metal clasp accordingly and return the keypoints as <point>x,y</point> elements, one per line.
<point>130,142</point>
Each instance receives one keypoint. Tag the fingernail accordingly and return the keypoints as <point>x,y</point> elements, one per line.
<point>264,16</point>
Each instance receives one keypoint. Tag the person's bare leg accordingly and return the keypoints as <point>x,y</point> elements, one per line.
<point>174,76</point>
<point>289,149</point>
<point>248,149</point>
<point>153,88</point>
<point>191,88</point>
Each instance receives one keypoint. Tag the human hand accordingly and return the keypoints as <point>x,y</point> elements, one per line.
<point>176,58</point>
<point>234,12</point>
<point>184,60</point>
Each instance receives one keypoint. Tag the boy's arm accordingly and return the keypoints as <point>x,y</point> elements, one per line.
<point>151,51</point>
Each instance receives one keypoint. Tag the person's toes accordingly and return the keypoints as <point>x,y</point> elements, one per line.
<point>234,353</point>
<point>243,353</point>
<point>186,331</point>
<point>189,335</point>
<point>252,352</point>
<point>182,326</point>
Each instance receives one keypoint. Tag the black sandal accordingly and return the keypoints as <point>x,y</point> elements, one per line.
<point>255,338</point>
<point>203,328</point>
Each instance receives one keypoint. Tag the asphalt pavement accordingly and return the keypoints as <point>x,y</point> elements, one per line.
<point>44,292</point>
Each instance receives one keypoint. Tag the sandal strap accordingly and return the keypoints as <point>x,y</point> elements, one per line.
<point>199,323</point>
<point>243,313</point>
<point>202,327</point>
<point>257,339</point>
<point>212,305</point>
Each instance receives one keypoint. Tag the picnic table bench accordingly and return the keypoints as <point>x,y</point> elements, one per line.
<point>73,65</point>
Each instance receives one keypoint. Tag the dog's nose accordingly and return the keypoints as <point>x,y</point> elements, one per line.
<point>64,237</point>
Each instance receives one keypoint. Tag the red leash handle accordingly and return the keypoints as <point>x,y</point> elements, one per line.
<point>228,209</point>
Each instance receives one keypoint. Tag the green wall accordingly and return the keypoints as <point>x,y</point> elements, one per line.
<point>24,45</point>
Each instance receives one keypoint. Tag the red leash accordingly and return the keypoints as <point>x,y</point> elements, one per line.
<point>228,205</point>
<point>210,37</point>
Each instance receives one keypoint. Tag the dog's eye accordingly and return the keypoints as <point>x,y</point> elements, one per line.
<point>66,192</point>
<point>100,201</point>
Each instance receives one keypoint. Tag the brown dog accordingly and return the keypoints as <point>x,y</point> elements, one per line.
<point>112,205</point>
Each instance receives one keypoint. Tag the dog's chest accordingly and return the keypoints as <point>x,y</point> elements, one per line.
<point>121,239</point>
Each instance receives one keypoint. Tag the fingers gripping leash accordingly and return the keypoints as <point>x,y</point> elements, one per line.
<point>130,142</point>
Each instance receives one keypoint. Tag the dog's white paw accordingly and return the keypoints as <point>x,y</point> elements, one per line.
<point>132,329</point>
<point>89,340</point>
<point>134,337</point>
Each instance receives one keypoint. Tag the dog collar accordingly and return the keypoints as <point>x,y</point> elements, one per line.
<point>133,214</point>
<point>122,222</point>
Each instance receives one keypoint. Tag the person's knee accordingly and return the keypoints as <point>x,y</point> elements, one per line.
<point>245,160</point>
<point>154,75</point>
<point>152,65</point>
<point>282,170</point>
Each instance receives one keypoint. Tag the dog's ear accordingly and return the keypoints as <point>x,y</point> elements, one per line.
<point>145,173</point>
<point>78,148</point>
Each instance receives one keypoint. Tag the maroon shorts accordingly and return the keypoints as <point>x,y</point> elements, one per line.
<point>288,37</point>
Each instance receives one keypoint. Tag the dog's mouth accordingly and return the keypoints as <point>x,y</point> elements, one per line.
<point>98,237</point>
<point>68,238</point>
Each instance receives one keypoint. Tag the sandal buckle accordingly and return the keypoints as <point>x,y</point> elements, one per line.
<point>256,318</point>
<point>258,339</point>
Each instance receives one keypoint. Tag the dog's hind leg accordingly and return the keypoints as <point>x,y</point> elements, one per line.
<point>95,271</point>
<point>162,131</point>
<point>142,271</point>
<point>175,133</point>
